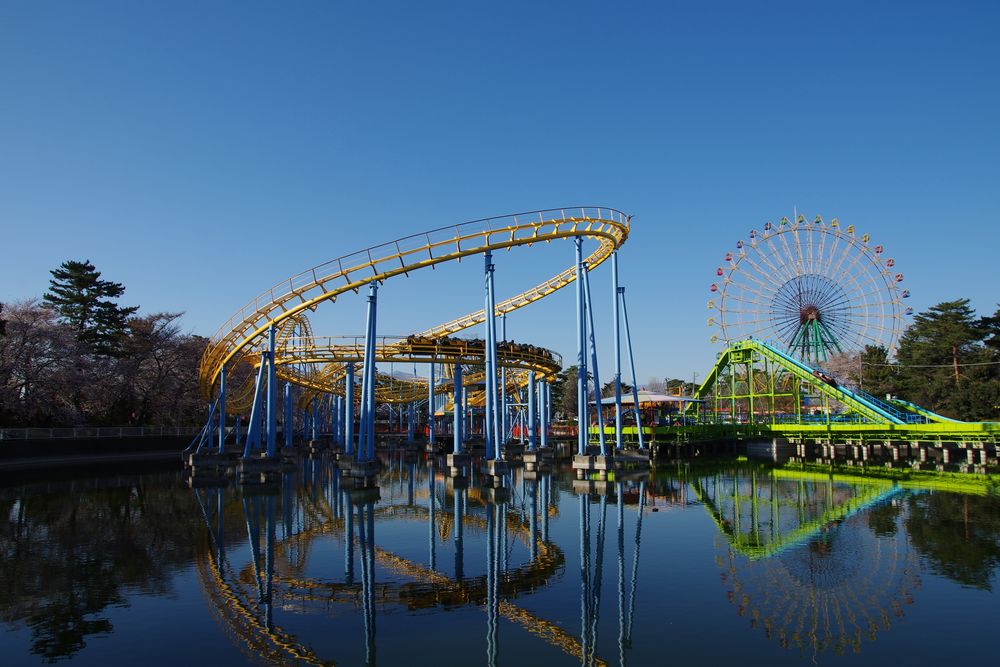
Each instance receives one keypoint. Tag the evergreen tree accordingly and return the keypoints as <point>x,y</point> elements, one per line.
<point>85,302</point>
<point>931,357</point>
<point>877,376</point>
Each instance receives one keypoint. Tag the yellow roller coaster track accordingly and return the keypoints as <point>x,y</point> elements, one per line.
<point>282,304</point>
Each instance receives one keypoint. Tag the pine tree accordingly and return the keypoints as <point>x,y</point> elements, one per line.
<point>85,302</point>
<point>931,357</point>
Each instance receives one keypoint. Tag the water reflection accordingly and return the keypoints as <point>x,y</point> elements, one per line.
<point>800,557</point>
<point>310,570</point>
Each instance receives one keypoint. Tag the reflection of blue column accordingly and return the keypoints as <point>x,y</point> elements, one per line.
<point>349,542</point>
<point>546,501</point>
<point>492,576</point>
<point>584,577</point>
<point>533,519</point>
<point>269,560</point>
<point>431,503</point>
<point>459,534</point>
<point>409,486</point>
<point>635,561</point>
<point>619,491</point>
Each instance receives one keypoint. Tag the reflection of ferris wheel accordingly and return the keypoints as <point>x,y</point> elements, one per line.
<point>813,288</point>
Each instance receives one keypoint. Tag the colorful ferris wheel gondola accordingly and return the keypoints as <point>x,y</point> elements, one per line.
<point>814,288</point>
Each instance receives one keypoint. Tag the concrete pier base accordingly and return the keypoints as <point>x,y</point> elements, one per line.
<point>496,468</point>
<point>594,487</point>
<point>258,471</point>
<point>363,469</point>
<point>587,464</point>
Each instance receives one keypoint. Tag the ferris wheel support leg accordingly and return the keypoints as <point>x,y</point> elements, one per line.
<point>272,396</point>
<point>349,408</point>
<point>457,411</point>
<point>593,359</point>
<point>222,409</point>
<point>581,355</point>
<point>631,361</point>
<point>531,411</point>
<point>618,351</point>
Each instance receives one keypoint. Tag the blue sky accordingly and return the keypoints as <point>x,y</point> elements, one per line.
<point>200,152</point>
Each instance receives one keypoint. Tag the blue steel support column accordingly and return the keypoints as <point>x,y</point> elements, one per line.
<point>272,396</point>
<point>253,428</point>
<point>531,412</point>
<point>287,426</point>
<point>631,361</point>
<point>363,407</point>
<point>368,412</point>
<point>489,429</point>
<point>430,406</point>
<point>503,385</point>
<point>581,355</point>
<point>349,407</point>
<point>222,410</point>
<point>543,400</point>
<point>465,410</point>
<point>593,359</point>
<point>315,420</point>
<point>457,412</point>
<point>618,351</point>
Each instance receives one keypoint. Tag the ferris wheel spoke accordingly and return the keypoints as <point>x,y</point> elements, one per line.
<point>760,270</point>
<point>778,270</point>
<point>757,279</point>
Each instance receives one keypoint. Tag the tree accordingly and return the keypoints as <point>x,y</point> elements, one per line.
<point>608,390</point>
<point>943,363</point>
<point>85,302</point>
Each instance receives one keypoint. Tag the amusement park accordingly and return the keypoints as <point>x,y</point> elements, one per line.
<point>532,333</point>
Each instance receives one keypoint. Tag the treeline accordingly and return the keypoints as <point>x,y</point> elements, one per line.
<point>947,361</point>
<point>78,358</point>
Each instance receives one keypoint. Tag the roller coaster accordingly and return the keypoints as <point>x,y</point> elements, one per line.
<point>270,340</point>
<point>756,389</point>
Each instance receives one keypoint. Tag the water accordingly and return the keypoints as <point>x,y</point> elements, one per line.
<point>697,565</point>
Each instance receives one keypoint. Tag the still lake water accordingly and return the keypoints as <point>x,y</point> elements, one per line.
<point>695,565</point>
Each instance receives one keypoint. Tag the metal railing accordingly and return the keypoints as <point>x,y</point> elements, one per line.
<point>75,432</point>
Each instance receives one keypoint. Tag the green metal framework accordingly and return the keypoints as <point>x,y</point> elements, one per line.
<point>756,389</point>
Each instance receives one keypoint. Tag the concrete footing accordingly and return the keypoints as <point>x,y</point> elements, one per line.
<point>258,471</point>
<point>495,468</point>
<point>587,464</point>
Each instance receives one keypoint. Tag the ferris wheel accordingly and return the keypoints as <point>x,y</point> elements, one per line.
<point>812,288</point>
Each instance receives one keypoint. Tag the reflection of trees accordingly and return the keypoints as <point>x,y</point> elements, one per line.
<point>959,535</point>
<point>882,518</point>
<point>68,556</point>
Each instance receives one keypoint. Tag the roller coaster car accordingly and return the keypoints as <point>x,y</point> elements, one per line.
<point>825,378</point>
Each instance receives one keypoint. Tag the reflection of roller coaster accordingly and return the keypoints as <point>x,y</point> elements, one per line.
<point>276,574</point>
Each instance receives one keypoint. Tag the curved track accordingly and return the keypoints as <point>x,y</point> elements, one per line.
<point>285,304</point>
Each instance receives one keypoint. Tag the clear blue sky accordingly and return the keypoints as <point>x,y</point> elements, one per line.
<point>201,151</point>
